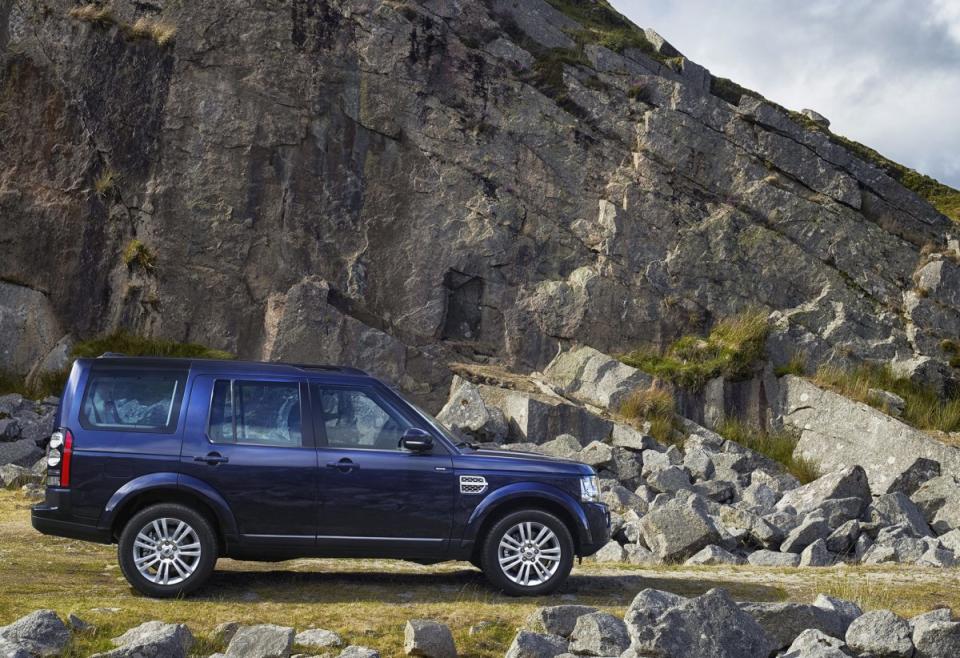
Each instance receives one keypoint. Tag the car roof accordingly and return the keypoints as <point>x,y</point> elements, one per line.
<point>222,365</point>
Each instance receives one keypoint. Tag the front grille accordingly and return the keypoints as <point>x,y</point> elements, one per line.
<point>473,484</point>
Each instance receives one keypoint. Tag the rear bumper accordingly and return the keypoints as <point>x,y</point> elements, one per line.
<point>53,517</point>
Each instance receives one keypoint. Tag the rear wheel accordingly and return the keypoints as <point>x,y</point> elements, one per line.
<point>528,553</point>
<point>167,550</point>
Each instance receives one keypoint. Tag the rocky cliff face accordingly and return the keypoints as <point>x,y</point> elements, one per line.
<point>399,184</point>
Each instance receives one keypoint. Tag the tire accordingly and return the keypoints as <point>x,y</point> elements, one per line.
<point>507,568</point>
<point>176,545</point>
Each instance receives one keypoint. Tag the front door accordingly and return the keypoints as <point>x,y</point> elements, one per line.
<point>247,441</point>
<point>376,498</point>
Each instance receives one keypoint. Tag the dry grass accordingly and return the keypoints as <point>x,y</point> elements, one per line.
<point>106,182</point>
<point>137,254</point>
<point>158,31</point>
<point>368,601</point>
<point>93,13</point>
<point>656,406</point>
<point>924,409</point>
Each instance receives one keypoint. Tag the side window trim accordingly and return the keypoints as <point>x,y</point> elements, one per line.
<point>307,433</point>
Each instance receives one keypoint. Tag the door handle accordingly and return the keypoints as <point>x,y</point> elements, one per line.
<point>344,465</point>
<point>213,459</point>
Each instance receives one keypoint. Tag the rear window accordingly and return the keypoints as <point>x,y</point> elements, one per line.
<point>147,401</point>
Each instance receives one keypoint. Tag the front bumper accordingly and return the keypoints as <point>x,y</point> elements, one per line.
<point>598,520</point>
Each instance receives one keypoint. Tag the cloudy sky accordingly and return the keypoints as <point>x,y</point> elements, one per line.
<point>885,72</point>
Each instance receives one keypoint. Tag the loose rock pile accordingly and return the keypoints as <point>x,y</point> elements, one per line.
<point>22,423</point>
<point>712,501</point>
<point>713,625</point>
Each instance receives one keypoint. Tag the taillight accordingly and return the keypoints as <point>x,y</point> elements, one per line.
<point>59,453</point>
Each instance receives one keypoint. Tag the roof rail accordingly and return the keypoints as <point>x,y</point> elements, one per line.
<point>315,366</point>
<point>111,354</point>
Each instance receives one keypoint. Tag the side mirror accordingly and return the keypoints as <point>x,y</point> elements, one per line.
<point>416,440</point>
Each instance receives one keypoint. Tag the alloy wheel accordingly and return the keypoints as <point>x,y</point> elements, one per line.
<point>166,551</point>
<point>529,553</point>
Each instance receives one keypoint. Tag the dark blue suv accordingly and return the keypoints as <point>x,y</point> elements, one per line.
<point>181,461</point>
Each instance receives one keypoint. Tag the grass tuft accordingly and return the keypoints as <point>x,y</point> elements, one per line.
<point>796,365</point>
<point>656,406</point>
<point>777,445</point>
<point>137,254</point>
<point>924,409</point>
<point>48,383</point>
<point>93,13</point>
<point>106,182</point>
<point>733,349</point>
<point>160,32</point>
<point>124,342</point>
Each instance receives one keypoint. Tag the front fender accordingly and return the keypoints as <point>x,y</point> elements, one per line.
<point>528,491</point>
<point>174,482</point>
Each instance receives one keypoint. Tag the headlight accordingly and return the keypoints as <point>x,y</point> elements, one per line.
<point>590,489</point>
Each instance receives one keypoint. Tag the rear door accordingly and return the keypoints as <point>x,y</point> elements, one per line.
<point>127,424</point>
<point>247,440</point>
<point>376,498</point>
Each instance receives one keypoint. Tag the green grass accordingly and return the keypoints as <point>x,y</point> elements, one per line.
<point>132,345</point>
<point>796,365</point>
<point>729,90</point>
<point>656,406</point>
<point>137,254</point>
<point>734,348</point>
<point>777,445</point>
<point>605,26</point>
<point>924,409</point>
<point>121,342</point>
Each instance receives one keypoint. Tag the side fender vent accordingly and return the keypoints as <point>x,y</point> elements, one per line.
<point>473,484</point>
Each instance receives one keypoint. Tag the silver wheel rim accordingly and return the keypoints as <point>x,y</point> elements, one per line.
<point>166,551</point>
<point>529,554</point>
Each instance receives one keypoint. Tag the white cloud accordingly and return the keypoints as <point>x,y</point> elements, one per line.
<point>885,72</point>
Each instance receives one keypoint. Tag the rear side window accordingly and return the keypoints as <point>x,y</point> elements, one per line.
<point>147,401</point>
<point>257,413</point>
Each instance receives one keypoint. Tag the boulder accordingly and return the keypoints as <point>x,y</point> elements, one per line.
<point>809,531</point>
<point>466,413</point>
<point>765,558</point>
<point>816,555</point>
<point>916,474</point>
<point>431,639</point>
<point>11,650</point>
<point>697,461</point>
<point>558,619</point>
<point>939,501</point>
<point>637,554</point>
<point>842,540</point>
<point>936,638</point>
<point>625,436</point>
<point>926,371</point>
<point>890,403</point>
<point>261,641</point>
<point>153,639</point>
<point>648,606</point>
<point>894,509</point>
<point>41,633</point>
<point>880,634</point>
<point>620,500</point>
<point>708,626</point>
<point>679,528</point>
<point>595,378</point>
<point>23,452</point>
<point>836,431</point>
<point>14,477</point>
<point>669,480</point>
<point>761,497</point>
<point>599,634</point>
<point>565,446</point>
<point>315,638</point>
<point>850,482</point>
<point>354,651</point>
<point>713,555</point>
<point>536,645</point>
<point>783,622</point>
<point>596,454</point>
<point>627,466</point>
<point>812,643</point>
<point>816,117</point>
<point>612,551</point>
<point>225,631</point>
<point>847,611</point>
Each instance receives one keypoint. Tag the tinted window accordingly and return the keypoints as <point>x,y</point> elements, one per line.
<point>356,418</point>
<point>146,401</point>
<point>259,413</point>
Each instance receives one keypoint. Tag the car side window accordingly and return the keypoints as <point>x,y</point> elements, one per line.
<point>256,413</point>
<point>357,418</point>
<point>132,401</point>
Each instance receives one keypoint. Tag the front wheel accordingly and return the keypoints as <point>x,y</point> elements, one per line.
<point>167,550</point>
<point>528,553</point>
